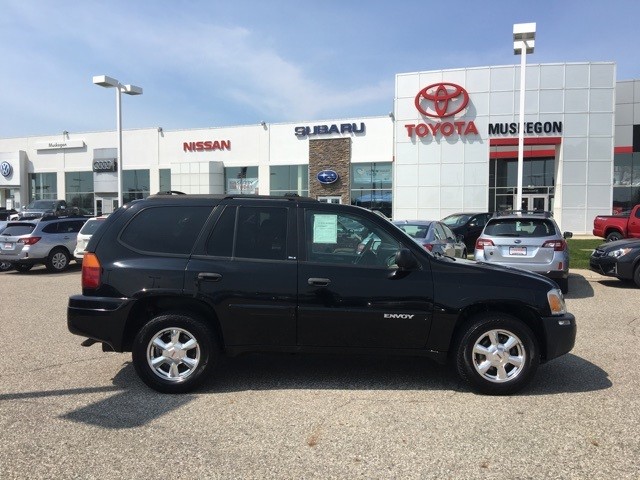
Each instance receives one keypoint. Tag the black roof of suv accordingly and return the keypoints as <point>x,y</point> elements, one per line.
<point>179,280</point>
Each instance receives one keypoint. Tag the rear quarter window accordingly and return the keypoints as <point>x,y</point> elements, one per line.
<point>166,229</point>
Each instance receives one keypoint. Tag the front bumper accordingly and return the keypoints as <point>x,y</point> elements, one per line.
<point>560,334</point>
<point>101,318</point>
<point>620,267</point>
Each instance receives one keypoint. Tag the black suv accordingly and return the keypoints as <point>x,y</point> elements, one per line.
<point>180,279</point>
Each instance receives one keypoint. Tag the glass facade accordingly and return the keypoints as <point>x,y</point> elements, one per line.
<point>241,180</point>
<point>165,179</point>
<point>289,179</point>
<point>626,181</point>
<point>537,179</point>
<point>135,185</point>
<point>79,190</point>
<point>43,186</point>
<point>371,185</point>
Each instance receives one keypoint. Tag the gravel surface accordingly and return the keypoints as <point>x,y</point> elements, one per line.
<point>73,412</point>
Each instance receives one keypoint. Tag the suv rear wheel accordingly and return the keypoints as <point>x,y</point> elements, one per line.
<point>58,260</point>
<point>497,354</point>
<point>174,352</point>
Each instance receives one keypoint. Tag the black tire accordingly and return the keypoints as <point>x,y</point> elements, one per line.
<point>636,275</point>
<point>22,267</point>
<point>563,284</point>
<point>58,260</point>
<point>175,374</point>
<point>499,375</point>
<point>614,236</point>
<point>5,266</point>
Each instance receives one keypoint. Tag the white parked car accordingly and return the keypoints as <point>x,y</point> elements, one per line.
<point>84,235</point>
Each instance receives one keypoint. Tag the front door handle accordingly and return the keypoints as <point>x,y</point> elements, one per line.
<point>319,282</point>
<point>209,277</point>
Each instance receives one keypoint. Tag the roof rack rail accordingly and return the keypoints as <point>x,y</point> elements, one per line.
<point>171,192</point>
<point>502,213</point>
<point>286,196</point>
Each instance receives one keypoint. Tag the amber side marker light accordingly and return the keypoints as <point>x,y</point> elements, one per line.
<point>91,269</point>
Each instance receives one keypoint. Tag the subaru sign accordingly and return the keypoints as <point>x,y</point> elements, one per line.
<point>327,177</point>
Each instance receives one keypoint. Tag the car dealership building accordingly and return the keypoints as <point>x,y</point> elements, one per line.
<point>450,145</point>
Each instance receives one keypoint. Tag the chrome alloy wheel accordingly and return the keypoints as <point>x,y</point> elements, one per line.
<point>499,356</point>
<point>173,354</point>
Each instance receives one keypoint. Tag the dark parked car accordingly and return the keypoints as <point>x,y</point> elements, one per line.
<point>434,236</point>
<point>620,259</point>
<point>236,274</point>
<point>469,225</point>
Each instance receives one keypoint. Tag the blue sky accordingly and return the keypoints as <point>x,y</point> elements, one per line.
<point>223,63</point>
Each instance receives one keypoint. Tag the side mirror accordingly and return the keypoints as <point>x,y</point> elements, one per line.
<point>567,235</point>
<point>460,238</point>
<point>405,260</point>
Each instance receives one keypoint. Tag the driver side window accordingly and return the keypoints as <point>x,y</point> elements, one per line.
<point>347,239</point>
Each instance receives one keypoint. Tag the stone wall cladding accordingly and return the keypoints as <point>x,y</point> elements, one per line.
<point>331,154</point>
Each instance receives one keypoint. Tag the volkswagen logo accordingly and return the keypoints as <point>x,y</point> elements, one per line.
<point>441,100</point>
<point>327,177</point>
<point>6,169</point>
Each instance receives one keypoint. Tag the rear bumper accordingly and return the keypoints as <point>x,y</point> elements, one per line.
<point>100,318</point>
<point>560,334</point>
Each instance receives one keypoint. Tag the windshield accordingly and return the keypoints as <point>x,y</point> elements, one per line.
<point>414,230</point>
<point>42,205</point>
<point>455,220</point>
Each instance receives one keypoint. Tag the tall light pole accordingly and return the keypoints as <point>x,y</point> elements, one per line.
<point>524,35</point>
<point>109,82</point>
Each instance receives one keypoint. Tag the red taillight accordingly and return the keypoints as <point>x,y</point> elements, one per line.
<point>29,240</point>
<point>483,242</point>
<point>91,269</point>
<point>428,246</point>
<point>557,245</point>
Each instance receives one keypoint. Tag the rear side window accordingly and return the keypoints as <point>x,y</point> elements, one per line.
<point>17,230</point>
<point>515,227</point>
<point>166,229</point>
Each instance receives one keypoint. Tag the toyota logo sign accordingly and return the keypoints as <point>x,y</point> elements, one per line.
<point>6,169</point>
<point>441,100</point>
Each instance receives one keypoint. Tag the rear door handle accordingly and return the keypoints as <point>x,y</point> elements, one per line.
<point>209,277</point>
<point>319,282</point>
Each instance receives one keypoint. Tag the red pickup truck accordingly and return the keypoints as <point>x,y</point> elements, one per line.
<point>617,227</point>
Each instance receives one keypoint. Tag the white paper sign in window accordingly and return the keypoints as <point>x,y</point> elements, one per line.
<point>325,229</point>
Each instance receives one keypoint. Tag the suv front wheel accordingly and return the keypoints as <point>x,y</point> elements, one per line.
<point>174,352</point>
<point>497,354</point>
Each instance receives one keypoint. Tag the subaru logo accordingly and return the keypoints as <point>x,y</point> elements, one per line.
<point>441,100</point>
<point>6,169</point>
<point>327,177</point>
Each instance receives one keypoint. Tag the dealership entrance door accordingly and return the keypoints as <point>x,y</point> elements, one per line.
<point>534,202</point>
<point>105,205</point>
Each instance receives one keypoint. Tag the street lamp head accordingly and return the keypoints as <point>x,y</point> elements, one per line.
<point>524,35</point>
<point>132,90</point>
<point>105,81</point>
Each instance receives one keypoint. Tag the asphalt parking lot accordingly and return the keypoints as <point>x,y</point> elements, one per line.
<point>72,412</point>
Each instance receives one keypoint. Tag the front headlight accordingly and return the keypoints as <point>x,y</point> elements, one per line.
<point>619,252</point>
<point>556,302</point>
